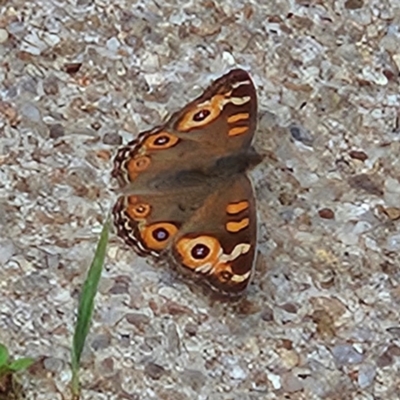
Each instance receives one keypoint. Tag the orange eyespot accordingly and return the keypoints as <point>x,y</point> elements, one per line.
<point>225,276</point>
<point>156,236</point>
<point>200,251</point>
<point>162,140</point>
<point>138,164</point>
<point>201,115</point>
<point>137,211</point>
<point>196,252</point>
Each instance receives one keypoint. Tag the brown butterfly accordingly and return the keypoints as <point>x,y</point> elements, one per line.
<point>186,196</point>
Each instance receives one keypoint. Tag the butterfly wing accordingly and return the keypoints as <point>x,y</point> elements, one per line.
<point>148,222</point>
<point>223,117</point>
<point>220,122</point>
<point>218,242</point>
<point>210,231</point>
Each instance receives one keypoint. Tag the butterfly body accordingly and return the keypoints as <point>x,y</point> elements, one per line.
<point>185,194</point>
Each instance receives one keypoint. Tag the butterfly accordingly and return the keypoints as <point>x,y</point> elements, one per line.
<point>185,196</point>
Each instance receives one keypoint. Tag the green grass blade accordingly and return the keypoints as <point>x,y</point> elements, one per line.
<point>3,355</point>
<point>21,364</point>
<point>86,305</point>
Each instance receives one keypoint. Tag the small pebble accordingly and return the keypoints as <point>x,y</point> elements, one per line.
<point>393,242</point>
<point>366,183</point>
<point>392,212</point>
<point>353,4</point>
<point>53,364</point>
<point>112,138</point>
<point>137,319</point>
<point>96,125</point>
<point>290,308</point>
<point>3,36</point>
<point>326,213</point>
<point>275,381</point>
<point>7,250</point>
<point>106,366</point>
<point>113,44</point>
<point>384,360</point>
<point>302,135</point>
<point>237,373</point>
<point>366,375</point>
<point>358,155</point>
<point>345,354</point>
<point>100,342</point>
<point>56,131</point>
<point>31,112</point>
<point>173,340</point>
<point>154,371</point>
<point>291,383</point>
<point>194,378</point>
<point>72,68</point>
<point>50,85</point>
<point>267,314</point>
<point>191,329</point>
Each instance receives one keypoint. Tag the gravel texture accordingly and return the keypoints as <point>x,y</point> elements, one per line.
<point>321,320</point>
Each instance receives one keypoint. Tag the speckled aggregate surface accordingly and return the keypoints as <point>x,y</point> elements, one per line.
<point>322,317</point>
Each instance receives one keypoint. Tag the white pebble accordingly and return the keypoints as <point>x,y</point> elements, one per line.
<point>237,373</point>
<point>275,381</point>
<point>366,375</point>
<point>3,36</point>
